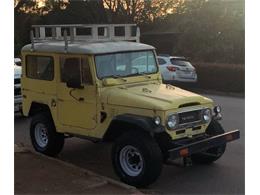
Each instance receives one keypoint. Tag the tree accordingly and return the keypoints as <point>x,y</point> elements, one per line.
<point>139,11</point>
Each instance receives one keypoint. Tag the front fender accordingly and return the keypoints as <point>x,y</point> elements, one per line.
<point>143,122</point>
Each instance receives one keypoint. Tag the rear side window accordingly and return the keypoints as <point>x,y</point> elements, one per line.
<point>161,61</point>
<point>40,67</point>
<point>180,62</point>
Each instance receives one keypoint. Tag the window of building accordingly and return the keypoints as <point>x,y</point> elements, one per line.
<point>40,67</point>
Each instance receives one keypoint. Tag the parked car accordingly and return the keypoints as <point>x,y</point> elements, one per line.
<point>17,88</point>
<point>18,61</point>
<point>176,68</point>
<point>112,91</point>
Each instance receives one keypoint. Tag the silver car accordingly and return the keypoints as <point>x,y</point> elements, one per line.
<point>176,68</point>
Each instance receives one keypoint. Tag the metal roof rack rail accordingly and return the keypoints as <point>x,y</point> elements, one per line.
<point>86,32</point>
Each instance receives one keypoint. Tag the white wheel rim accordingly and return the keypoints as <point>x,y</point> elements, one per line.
<point>131,160</point>
<point>41,135</point>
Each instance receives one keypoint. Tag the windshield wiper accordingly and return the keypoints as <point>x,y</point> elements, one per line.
<point>140,73</point>
<point>115,77</point>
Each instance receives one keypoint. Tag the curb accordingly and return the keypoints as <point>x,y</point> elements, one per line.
<point>132,189</point>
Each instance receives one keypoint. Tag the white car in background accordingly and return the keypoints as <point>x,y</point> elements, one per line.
<point>17,88</point>
<point>176,68</point>
<point>18,61</point>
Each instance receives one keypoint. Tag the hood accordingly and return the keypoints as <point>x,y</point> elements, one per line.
<point>152,96</point>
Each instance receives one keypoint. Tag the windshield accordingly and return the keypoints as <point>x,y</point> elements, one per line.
<point>180,62</point>
<point>125,64</point>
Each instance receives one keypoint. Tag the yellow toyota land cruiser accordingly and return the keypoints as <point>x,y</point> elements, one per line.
<point>100,83</point>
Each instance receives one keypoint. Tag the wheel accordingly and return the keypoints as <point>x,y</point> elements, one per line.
<point>212,154</point>
<point>44,137</point>
<point>137,159</point>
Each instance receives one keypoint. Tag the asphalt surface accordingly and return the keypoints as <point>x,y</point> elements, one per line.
<point>225,176</point>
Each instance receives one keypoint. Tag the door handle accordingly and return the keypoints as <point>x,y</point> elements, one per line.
<point>81,99</point>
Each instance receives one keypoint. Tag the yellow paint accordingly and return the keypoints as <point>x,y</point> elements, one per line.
<point>137,95</point>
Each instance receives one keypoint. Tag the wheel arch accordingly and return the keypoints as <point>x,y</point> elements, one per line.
<point>37,107</point>
<point>129,122</point>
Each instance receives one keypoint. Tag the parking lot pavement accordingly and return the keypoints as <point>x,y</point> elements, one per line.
<point>226,176</point>
<point>39,174</point>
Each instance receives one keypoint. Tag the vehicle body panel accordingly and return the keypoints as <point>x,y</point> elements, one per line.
<point>140,95</point>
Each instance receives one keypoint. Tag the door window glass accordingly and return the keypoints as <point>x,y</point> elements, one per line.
<point>75,68</point>
<point>86,73</point>
<point>70,69</point>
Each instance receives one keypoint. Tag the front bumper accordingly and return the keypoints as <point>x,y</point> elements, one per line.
<point>189,146</point>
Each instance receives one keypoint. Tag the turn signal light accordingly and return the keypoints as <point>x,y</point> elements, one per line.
<point>184,152</point>
<point>229,137</point>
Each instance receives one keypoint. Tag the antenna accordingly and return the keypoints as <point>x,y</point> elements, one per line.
<point>32,40</point>
<point>66,41</point>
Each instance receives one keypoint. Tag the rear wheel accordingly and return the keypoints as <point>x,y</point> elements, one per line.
<point>137,159</point>
<point>211,154</point>
<point>44,137</point>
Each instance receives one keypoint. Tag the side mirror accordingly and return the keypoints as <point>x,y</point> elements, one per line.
<point>74,83</point>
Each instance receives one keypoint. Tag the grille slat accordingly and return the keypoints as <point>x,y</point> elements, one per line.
<point>189,117</point>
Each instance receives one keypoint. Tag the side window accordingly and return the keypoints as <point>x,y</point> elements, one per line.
<point>40,67</point>
<point>75,68</point>
<point>70,69</point>
<point>86,73</point>
<point>161,61</point>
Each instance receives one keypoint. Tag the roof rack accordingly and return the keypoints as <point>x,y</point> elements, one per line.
<point>85,32</point>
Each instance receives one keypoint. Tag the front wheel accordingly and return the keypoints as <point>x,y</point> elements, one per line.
<point>212,154</point>
<point>137,159</point>
<point>44,137</point>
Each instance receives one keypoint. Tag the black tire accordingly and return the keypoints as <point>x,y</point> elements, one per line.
<point>55,140</point>
<point>150,153</point>
<point>211,154</point>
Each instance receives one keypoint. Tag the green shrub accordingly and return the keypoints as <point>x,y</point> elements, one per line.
<point>219,77</point>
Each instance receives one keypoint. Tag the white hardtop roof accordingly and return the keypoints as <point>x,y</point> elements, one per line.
<point>81,47</point>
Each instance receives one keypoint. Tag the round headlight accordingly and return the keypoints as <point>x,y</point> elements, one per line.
<point>207,115</point>
<point>157,120</point>
<point>172,121</point>
<point>217,109</point>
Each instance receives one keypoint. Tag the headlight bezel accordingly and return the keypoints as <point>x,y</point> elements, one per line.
<point>208,114</point>
<point>170,127</point>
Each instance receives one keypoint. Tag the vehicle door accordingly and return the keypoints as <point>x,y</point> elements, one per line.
<point>76,106</point>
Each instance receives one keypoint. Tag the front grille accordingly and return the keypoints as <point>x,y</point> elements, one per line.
<point>189,117</point>
<point>17,91</point>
